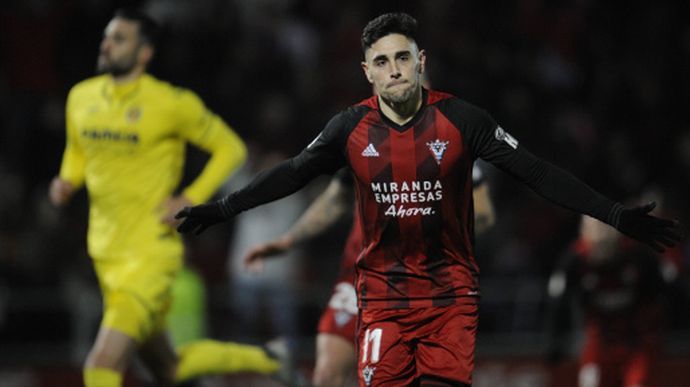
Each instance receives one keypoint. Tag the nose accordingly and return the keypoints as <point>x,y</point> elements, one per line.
<point>395,70</point>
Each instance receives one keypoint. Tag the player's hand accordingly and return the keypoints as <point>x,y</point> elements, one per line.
<point>658,233</point>
<point>60,191</point>
<point>199,218</point>
<point>254,259</point>
<point>170,207</point>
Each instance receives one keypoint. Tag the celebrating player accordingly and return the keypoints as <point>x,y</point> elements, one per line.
<point>411,152</point>
<point>335,341</point>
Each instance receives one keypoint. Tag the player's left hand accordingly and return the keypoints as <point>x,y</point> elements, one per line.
<point>170,207</point>
<point>199,218</point>
<point>658,233</point>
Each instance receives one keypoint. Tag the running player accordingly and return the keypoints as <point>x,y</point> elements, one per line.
<point>126,136</point>
<point>411,152</point>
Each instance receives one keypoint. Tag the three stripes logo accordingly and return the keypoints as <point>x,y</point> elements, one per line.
<point>370,151</point>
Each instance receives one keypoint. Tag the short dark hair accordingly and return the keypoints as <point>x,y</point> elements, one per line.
<point>386,24</point>
<point>149,30</point>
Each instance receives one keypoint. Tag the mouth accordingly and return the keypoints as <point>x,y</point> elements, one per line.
<point>395,83</point>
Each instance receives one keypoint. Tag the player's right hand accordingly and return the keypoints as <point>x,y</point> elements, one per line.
<point>199,218</point>
<point>60,191</point>
<point>254,259</point>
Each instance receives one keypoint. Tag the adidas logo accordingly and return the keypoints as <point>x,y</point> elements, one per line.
<point>370,151</point>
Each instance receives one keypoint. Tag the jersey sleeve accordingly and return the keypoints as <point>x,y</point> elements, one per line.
<point>487,140</point>
<point>73,160</point>
<point>206,130</point>
<point>324,155</point>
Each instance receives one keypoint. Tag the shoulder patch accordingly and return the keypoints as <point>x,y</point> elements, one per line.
<point>502,135</point>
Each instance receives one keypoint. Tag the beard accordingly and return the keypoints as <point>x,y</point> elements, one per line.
<point>400,97</point>
<point>115,68</point>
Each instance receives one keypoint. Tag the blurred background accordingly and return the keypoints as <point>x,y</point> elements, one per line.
<point>598,88</point>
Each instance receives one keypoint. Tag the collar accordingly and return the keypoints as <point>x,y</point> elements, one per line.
<point>410,123</point>
<point>121,91</point>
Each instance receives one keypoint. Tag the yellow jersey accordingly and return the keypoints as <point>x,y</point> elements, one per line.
<point>126,143</point>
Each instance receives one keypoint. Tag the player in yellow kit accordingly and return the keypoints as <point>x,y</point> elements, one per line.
<point>126,136</point>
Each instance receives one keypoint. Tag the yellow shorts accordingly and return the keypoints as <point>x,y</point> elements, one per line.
<point>137,292</point>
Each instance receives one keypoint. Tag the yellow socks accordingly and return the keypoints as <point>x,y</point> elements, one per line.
<point>210,357</point>
<point>102,377</point>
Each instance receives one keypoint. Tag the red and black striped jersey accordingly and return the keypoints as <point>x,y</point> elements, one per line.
<point>413,186</point>
<point>355,241</point>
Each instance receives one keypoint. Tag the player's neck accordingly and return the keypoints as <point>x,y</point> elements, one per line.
<point>129,77</point>
<point>401,113</point>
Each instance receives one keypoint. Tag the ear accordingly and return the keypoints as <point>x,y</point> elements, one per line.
<point>146,53</point>
<point>422,61</point>
<point>367,73</point>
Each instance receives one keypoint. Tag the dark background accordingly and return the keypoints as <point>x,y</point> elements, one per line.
<point>598,88</point>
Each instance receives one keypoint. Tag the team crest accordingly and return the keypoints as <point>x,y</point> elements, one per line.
<point>438,148</point>
<point>133,114</point>
<point>368,374</point>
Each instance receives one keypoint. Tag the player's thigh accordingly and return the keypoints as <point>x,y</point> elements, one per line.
<point>137,293</point>
<point>384,358</point>
<point>445,350</point>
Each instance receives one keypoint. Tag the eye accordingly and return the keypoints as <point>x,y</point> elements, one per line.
<point>379,62</point>
<point>404,58</point>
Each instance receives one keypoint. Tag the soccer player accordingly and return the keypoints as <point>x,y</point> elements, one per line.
<point>620,289</point>
<point>126,136</point>
<point>335,341</point>
<point>411,152</point>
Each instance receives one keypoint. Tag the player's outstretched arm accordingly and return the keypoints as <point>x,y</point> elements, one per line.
<point>277,182</point>
<point>325,211</point>
<point>564,189</point>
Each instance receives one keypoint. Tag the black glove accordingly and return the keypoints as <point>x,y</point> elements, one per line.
<point>201,217</point>
<point>656,232</point>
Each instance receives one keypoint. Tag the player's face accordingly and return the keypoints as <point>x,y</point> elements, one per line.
<point>121,49</point>
<point>394,65</point>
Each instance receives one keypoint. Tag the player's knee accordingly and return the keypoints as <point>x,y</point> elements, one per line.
<point>101,358</point>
